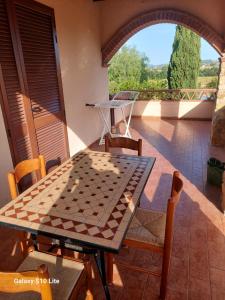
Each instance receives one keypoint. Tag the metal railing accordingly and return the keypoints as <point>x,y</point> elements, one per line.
<point>178,94</point>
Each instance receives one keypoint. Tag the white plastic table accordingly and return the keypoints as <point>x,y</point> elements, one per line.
<point>104,112</point>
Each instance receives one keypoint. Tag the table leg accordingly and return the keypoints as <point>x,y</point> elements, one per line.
<point>100,261</point>
<point>127,133</point>
<point>34,239</point>
<point>112,117</point>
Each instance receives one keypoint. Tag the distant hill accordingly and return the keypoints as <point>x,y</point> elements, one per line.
<point>204,62</point>
<point>158,66</point>
<point>208,72</point>
<point>209,62</point>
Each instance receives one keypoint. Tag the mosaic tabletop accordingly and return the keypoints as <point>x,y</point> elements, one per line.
<point>89,199</point>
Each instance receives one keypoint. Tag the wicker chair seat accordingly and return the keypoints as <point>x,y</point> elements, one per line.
<point>148,226</point>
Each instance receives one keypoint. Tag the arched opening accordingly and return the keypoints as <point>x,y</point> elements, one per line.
<point>144,63</point>
<point>139,22</point>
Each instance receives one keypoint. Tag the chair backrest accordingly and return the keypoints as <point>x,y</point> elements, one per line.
<point>22,169</point>
<point>177,186</point>
<point>37,281</point>
<point>52,164</point>
<point>126,95</point>
<point>123,142</point>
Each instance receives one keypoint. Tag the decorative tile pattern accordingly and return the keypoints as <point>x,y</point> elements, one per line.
<point>90,198</point>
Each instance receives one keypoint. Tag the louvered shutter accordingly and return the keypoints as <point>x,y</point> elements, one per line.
<point>12,94</point>
<point>30,83</point>
<point>38,43</point>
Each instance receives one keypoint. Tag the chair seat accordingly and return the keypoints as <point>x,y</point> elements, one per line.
<point>147,226</point>
<point>66,271</point>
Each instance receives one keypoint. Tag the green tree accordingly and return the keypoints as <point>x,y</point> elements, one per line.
<point>128,70</point>
<point>184,63</point>
<point>159,72</point>
<point>210,71</point>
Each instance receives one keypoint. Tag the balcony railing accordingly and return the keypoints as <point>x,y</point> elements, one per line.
<point>178,94</point>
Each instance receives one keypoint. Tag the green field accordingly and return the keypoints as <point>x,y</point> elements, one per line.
<point>203,82</point>
<point>207,82</point>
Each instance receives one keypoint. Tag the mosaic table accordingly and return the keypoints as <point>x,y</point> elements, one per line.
<point>89,200</point>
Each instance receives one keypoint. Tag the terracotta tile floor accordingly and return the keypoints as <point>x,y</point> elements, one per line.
<point>198,260</point>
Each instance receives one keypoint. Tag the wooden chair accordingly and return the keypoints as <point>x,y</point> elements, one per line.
<point>153,230</point>
<point>69,275</point>
<point>9,283</point>
<point>123,142</point>
<point>22,169</point>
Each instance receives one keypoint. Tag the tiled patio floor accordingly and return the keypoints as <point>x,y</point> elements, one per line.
<point>198,261</point>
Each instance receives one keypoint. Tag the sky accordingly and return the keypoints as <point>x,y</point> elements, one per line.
<point>156,42</point>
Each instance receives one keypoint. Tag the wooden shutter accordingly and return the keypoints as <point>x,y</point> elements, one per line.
<point>37,42</point>
<point>12,94</point>
<point>30,83</point>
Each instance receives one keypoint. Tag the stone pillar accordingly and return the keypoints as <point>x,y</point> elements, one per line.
<point>218,122</point>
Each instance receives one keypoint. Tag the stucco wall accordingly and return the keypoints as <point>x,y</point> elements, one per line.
<point>84,80</point>
<point>175,109</point>
<point>114,13</point>
<point>5,163</point>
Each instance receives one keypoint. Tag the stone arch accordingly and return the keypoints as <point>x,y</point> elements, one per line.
<point>160,16</point>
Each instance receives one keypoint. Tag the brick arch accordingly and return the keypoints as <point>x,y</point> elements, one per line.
<point>160,16</point>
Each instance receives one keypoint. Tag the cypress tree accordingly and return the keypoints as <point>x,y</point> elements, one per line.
<point>184,63</point>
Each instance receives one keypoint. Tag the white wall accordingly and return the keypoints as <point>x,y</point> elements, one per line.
<point>5,163</point>
<point>175,109</point>
<point>84,80</point>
